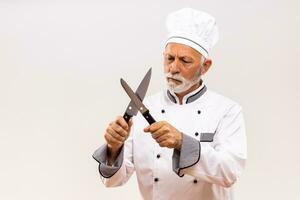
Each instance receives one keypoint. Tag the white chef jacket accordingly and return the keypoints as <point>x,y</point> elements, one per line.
<point>203,170</point>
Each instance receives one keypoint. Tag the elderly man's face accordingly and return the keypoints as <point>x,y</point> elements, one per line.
<point>183,67</point>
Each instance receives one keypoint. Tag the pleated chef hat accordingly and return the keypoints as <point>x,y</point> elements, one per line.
<point>194,28</point>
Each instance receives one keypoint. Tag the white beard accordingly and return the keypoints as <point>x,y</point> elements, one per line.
<point>185,84</point>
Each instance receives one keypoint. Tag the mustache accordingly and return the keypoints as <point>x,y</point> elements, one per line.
<point>175,76</point>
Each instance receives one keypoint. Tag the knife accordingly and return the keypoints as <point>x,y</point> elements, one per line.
<point>131,109</point>
<point>137,102</point>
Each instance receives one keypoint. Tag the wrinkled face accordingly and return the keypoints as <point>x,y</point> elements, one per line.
<point>182,67</point>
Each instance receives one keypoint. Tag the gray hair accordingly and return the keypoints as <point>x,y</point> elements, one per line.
<point>202,60</point>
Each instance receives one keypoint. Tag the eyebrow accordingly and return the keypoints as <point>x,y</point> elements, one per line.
<point>180,57</point>
<point>184,57</point>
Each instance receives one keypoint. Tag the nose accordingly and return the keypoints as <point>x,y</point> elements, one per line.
<point>174,67</point>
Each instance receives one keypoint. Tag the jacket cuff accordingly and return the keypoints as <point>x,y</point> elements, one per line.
<point>188,156</point>
<point>107,171</point>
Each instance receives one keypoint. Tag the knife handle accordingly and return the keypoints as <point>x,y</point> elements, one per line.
<point>126,117</point>
<point>148,117</point>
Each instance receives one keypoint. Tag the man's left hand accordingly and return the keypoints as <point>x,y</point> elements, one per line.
<point>165,134</point>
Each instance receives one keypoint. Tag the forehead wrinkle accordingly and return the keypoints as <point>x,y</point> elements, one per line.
<point>181,53</point>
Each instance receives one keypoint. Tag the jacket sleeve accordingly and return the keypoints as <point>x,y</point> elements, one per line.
<point>121,170</point>
<point>220,163</point>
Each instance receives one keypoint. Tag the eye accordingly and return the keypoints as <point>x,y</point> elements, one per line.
<point>170,58</point>
<point>185,60</point>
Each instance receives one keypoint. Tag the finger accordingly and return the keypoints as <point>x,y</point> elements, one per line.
<point>121,121</point>
<point>163,143</point>
<point>155,126</point>
<point>115,134</point>
<point>111,140</point>
<point>117,128</point>
<point>162,138</point>
<point>167,143</point>
<point>162,131</point>
<point>147,129</point>
<point>130,123</point>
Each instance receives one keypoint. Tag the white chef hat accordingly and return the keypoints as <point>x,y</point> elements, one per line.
<point>194,28</point>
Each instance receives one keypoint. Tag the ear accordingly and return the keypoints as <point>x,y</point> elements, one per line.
<point>206,65</point>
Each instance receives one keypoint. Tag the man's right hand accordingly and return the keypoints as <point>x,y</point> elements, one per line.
<point>116,134</point>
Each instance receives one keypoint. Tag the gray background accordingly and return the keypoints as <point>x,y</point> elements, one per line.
<point>60,64</point>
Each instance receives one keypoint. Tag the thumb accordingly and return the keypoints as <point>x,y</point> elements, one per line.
<point>130,123</point>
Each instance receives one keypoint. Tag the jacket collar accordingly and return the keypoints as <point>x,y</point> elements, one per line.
<point>188,98</point>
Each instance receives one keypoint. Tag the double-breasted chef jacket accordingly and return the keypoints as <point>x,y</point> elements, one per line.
<point>212,155</point>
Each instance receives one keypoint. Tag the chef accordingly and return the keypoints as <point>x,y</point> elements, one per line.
<point>197,147</point>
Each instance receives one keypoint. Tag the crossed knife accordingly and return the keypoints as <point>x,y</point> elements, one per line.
<point>136,103</point>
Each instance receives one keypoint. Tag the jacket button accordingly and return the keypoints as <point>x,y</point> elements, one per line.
<point>196,134</point>
<point>163,111</point>
<point>199,112</point>
<point>158,156</point>
<point>195,181</point>
<point>156,179</point>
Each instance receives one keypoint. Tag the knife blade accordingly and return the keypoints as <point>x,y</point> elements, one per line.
<point>131,109</point>
<point>137,102</point>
